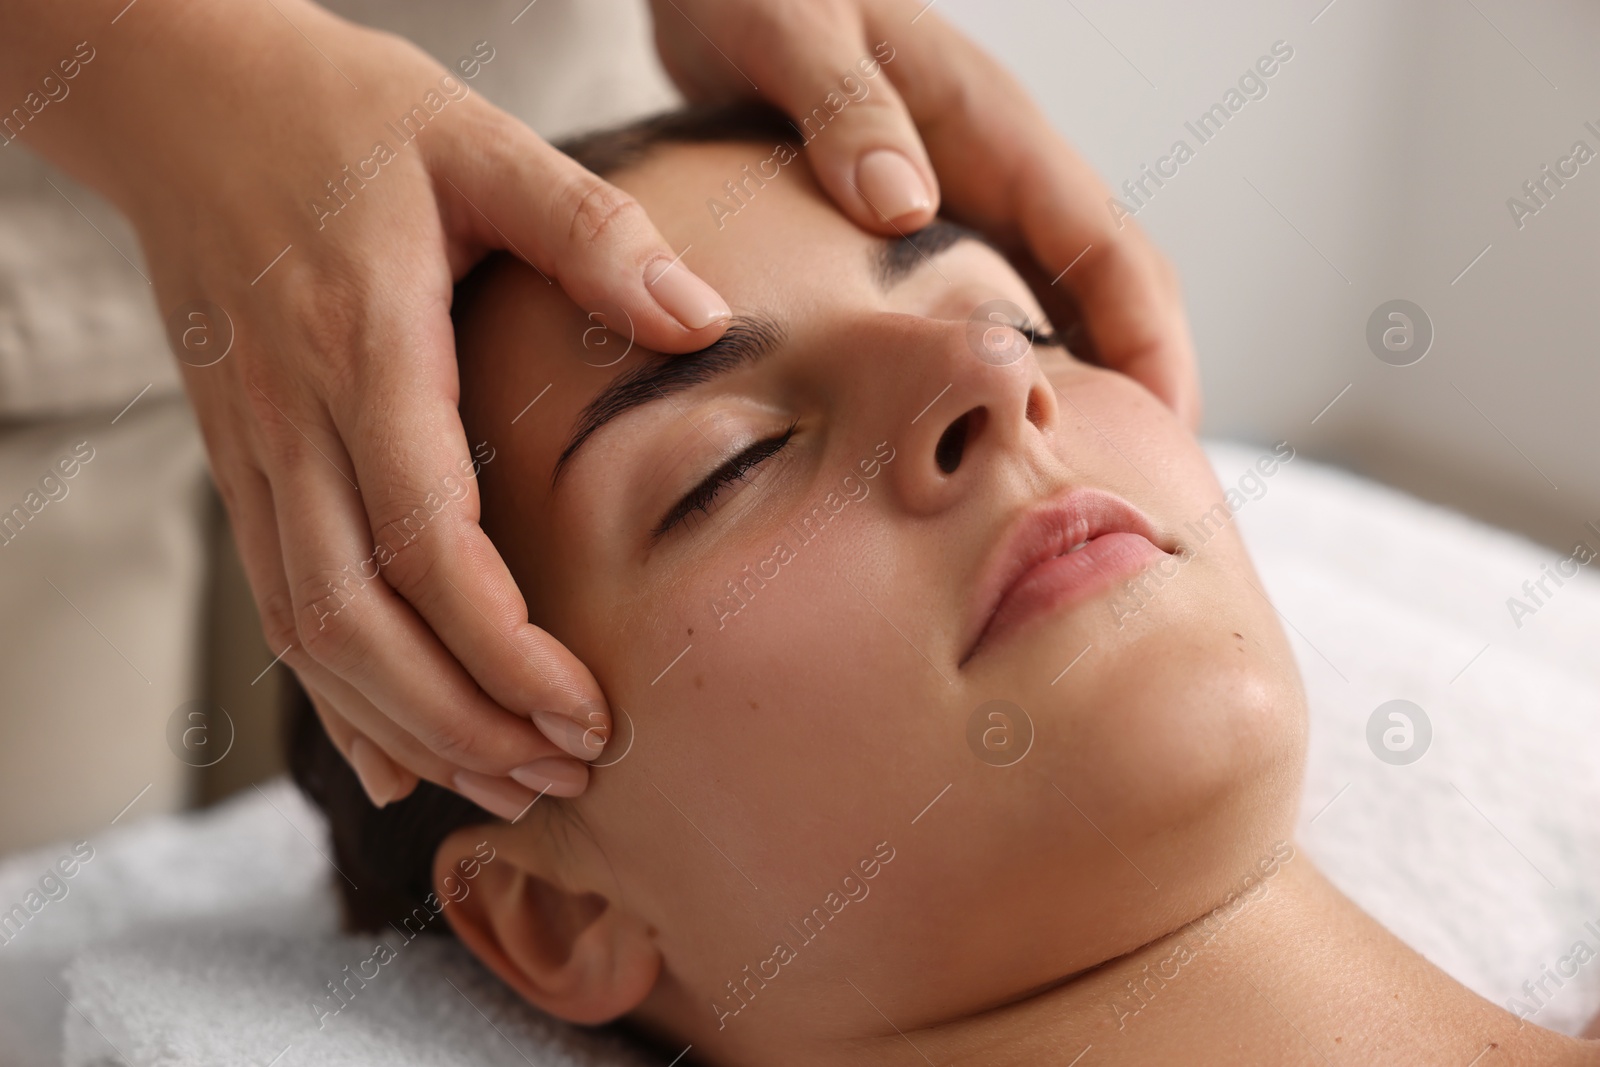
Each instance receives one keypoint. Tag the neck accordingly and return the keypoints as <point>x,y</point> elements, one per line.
<point>1298,974</point>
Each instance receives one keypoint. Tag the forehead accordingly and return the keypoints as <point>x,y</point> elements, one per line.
<point>774,245</point>
<point>759,229</point>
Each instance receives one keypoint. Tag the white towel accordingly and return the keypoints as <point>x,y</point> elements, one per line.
<point>247,1000</point>
<point>1384,597</point>
<point>248,865</point>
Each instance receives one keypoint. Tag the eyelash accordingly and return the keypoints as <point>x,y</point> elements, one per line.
<point>701,497</point>
<point>1038,335</point>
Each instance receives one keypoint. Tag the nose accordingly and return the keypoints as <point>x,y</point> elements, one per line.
<point>971,401</point>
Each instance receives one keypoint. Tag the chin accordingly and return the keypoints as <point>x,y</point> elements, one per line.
<point>1180,749</point>
<point>1174,726</point>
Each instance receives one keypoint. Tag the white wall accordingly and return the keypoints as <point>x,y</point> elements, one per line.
<point>1391,141</point>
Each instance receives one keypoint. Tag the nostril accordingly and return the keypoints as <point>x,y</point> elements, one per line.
<point>1035,411</point>
<point>953,442</point>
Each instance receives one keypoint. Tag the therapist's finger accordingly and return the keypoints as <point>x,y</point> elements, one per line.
<point>1130,298</point>
<point>579,230</point>
<point>247,497</point>
<point>348,620</point>
<point>383,780</point>
<point>386,759</point>
<point>365,733</point>
<point>815,62</point>
<point>420,494</point>
<point>1004,169</point>
<point>501,796</point>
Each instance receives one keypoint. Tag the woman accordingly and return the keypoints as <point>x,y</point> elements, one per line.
<point>264,153</point>
<point>820,564</point>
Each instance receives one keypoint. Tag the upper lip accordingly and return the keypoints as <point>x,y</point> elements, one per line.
<point>1043,532</point>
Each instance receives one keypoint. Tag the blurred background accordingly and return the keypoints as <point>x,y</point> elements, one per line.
<point>1375,164</point>
<point>1377,167</point>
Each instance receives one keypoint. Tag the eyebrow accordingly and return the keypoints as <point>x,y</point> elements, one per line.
<point>748,339</point>
<point>897,260</point>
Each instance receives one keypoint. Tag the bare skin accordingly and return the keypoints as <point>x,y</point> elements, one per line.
<point>800,752</point>
<point>1302,975</point>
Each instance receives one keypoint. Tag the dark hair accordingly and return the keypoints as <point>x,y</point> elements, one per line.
<point>386,855</point>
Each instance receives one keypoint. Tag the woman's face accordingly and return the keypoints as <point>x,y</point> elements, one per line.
<point>808,665</point>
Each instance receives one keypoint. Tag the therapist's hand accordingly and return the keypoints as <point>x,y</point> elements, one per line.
<point>262,153</point>
<point>924,113</point>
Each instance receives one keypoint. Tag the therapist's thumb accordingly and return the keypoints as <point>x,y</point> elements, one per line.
<point>513,190</point>
<point>860,138</point>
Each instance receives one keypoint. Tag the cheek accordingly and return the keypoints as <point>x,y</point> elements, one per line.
<point>772,737</point>
<point>790,681</point>
<point>1138,446</point>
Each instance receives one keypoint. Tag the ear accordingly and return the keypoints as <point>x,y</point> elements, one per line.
<point>516,899</point>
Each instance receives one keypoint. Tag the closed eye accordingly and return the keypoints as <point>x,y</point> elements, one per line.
<point>701,498</point>
<point>1037,335</point>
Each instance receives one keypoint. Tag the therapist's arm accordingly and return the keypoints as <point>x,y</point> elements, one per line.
<point>217,128</point>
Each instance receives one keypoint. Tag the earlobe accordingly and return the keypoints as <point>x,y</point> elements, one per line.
<point>567,950</point>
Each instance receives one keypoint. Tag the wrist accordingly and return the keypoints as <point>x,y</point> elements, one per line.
<point>152,97</point>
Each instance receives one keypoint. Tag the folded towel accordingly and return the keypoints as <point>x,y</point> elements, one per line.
<point>251,864</point>
<point>1482,854</point>
<point>248,1000</point>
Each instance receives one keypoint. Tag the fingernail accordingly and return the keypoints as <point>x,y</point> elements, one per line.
<point>502,796</point>
<point>891,185</point>
<point>553,775</point>
<point>375,770</point>
<point>585,740</point>
<point>684,296</point>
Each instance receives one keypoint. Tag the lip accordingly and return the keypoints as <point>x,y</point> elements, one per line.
<point>1032,571</point>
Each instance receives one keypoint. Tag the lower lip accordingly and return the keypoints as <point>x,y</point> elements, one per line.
<point>1063,581</point>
